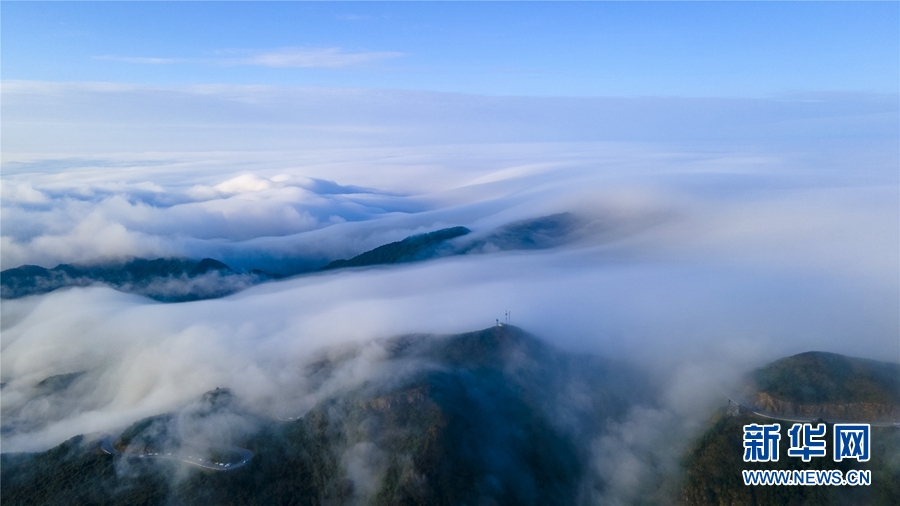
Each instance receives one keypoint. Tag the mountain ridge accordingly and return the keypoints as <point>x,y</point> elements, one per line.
<point>185,280</point>
<point>479,425</point>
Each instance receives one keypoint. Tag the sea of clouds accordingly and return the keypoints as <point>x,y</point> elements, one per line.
<point>727,232</point>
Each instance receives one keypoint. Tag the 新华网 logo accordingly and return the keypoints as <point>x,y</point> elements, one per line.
<point>761,442</point>
<point>851,441</point>
<point>806,442</point>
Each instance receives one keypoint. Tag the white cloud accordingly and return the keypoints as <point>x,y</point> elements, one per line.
<point>288,57</point>
<point>21,193</point>
<point>244,183</point>
<point>721,243</point>
<point>147,357</point>
<point>331,57</point>
<point>143,60</point>
<point>96,238</point>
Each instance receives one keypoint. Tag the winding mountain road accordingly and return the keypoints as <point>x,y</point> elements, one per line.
<point>748,409</point>
<point>243,455</point>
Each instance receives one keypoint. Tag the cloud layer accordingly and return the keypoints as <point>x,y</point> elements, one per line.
<point>724,233</point>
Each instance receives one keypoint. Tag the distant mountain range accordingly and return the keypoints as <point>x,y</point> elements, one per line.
<point>182,280</point>
<point>168,280</point>
<point>411,249</point>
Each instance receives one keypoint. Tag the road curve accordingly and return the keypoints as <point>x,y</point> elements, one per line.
<point>244,456</point>
<point>748,409</point>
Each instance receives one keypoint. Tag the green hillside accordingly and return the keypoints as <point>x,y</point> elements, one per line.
<point>805,386</point>
<point>535,233</point>
<point>163,279</point>
<point>834,387</point>
<point>713,470</point>
<point>485,423</point>
<point>416,247</point>
<point>816,377</point>
<point>183,280</point>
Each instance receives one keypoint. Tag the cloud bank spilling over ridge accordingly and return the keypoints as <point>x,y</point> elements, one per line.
<point>724,233</point>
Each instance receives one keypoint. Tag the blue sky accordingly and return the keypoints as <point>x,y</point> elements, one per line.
<point>538,49</point>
